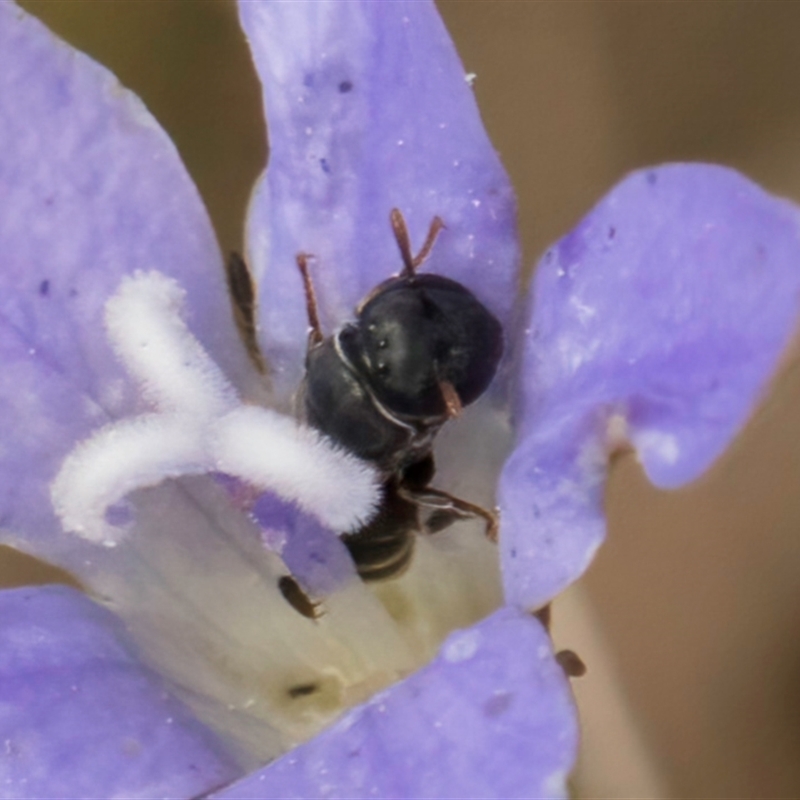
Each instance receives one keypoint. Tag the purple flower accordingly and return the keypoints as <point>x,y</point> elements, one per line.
<point>126,392</point>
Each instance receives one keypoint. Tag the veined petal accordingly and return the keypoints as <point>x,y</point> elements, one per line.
<point>368,109</point>
<point>80,717</point>
<point>657,321</point>
<point>491,717</point>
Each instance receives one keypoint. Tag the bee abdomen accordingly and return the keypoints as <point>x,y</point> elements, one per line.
<point>379,557</point>
<point>383,549</point>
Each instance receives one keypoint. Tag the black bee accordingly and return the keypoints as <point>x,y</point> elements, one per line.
<point>421,348</point>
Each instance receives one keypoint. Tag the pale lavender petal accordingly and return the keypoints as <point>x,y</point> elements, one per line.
<point>492,716</point>
<point>313,554</point>
<point>368,109</point>
<point>80,717</point>
<point>91,189</point>
<point>660,318</point>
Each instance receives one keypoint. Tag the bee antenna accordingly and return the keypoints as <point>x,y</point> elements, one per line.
<point>436,225</point>
<point>403,242</point>
<point>411,262</point>
<point>315,334</point>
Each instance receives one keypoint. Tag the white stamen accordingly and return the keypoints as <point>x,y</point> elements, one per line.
<point>202,427</point>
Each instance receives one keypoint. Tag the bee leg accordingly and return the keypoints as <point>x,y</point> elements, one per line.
<point>571,663</point>
<point>297,598</point>
<point>242,290</point>
<point>447,509</point>
<point>568,660</point>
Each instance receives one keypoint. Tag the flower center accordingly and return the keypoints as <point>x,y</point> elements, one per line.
<point>214,507</point>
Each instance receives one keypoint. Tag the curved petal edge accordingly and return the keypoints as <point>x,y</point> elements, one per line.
<point>80,717</point>
<point>658,322</point>
<point>492,716</point>
<point>368,109</point>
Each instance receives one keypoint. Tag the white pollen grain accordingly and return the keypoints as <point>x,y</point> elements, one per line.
<point>461,647</point>
<point>663,446</point>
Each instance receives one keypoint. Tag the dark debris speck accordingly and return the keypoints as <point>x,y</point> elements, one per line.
<point>302,690</point>
<point>497,705</point>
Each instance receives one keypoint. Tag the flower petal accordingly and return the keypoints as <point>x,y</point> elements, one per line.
<point>92,189</point>
<point>314,555</point>
<point>492,716</point>
<point>659,320</point>
<point>79,717</point>
<point>368,109</point>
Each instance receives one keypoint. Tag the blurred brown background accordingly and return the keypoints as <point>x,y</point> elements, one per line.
<point>697,593</point>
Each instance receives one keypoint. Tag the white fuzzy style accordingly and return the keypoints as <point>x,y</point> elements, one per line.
<point>147,332</point>
<point>200,425</point>
<point>117,459</point>
<point>268,449</point>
